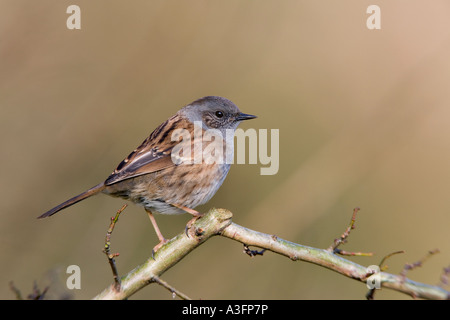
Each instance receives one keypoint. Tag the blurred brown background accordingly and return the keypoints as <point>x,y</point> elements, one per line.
<point>363,118</point>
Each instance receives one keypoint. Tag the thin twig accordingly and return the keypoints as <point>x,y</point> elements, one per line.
<point>16,291</point>
<point>352,253</point>
<point>343,239</point>
<point>107,248</point>
<point>36,293</point>
<point>385,267</point>
<point>174,291</point>
<point>344,236</point>
<point>414,265</point>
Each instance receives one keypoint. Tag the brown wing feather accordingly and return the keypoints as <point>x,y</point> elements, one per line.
<point>152,155</point>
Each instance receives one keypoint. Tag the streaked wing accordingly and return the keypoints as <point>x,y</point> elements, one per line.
<point>152,155</point>
<point>149,162</point>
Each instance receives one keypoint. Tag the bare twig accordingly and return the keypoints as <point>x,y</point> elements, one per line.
<point>16,291</point>
<point>352,253</point>
<point>173,290</point>
<point>35,294</point>
<point>414,265</point>
<point>385,267</point>
<point>107,248</point>
<point>343,239</point>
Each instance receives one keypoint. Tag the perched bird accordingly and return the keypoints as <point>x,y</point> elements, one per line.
<point>171,172</point>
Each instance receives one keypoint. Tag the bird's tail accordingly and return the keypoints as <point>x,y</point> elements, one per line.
<point>92,191</point>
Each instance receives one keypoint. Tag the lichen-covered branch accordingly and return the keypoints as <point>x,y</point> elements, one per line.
<point>218,222</point>
<point>169,254</point>
<point>327,259</point>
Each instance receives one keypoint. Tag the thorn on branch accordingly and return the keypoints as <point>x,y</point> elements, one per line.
<point>343,239</point>
<point>107,248</point>
<point>253,253</point>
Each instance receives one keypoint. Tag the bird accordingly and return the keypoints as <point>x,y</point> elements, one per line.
<point>179,166</point>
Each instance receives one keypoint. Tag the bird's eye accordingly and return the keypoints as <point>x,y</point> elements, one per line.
<point>219,114</point>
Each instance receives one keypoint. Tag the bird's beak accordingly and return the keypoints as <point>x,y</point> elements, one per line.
<point>244,116</point>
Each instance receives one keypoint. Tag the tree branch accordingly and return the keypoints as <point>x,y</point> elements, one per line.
<point>218,222</point>
<point>169,254</point>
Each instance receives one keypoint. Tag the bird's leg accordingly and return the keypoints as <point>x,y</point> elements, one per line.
<point>197,215</point>
<point>161,238</point>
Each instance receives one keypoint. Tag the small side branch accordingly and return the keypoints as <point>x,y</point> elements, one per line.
<point>414,265</point>
<point>107,249</point>
<point>36,294</point>
<point>343,239</point>
<point>174,291</point>
<point>212,223</point>
<point>16,291</point>
<point>218,222</point>
<point>329,260</point>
